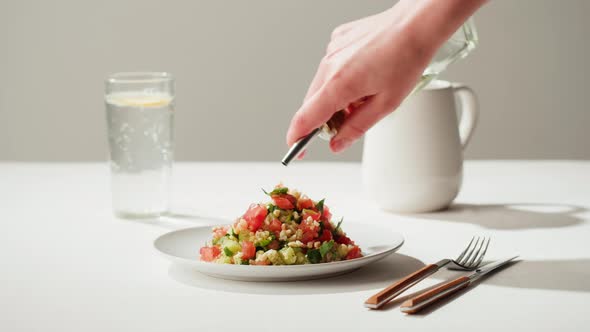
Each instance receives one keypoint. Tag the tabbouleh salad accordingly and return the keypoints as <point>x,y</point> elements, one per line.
<point>290,229</point>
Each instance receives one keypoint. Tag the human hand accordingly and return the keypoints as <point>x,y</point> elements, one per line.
<point>370,66</point>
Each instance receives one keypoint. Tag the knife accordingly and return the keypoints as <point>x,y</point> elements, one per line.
<point>421,301</point>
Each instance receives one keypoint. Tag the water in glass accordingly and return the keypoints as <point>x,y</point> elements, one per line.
<point>141,146</point>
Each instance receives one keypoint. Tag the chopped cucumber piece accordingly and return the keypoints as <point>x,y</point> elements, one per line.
<point>274,257</point>
<point>243,235</point>
<point>342,250</point>
<point>230,247</point>
<point>224,259</point>
<point>300,257</point>
<point>288,255</point>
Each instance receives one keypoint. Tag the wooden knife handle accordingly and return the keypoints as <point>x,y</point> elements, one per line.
<point>387,294</point>
<point>421,301</point>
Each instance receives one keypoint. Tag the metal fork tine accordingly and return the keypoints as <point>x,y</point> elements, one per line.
<point>466,258</point>
<point>472,260</point>
<point>480,259</point>
<point>458,259</point>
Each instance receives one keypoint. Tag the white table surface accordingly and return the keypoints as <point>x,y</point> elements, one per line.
<point>67,264</point>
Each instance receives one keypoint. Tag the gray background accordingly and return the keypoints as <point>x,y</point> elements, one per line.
<point>242,68</point>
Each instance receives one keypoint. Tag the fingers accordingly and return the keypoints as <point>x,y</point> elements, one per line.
<point>302,155</point>
<point>334,95</point>
<point>360,120</point>
<point>317,82</point>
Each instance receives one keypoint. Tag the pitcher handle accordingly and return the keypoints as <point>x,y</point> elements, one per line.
<point>469,111</point>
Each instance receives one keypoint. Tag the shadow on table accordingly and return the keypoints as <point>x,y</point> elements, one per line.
<point>374,276</point>
<point>510,216</point>
<point>564,275</point>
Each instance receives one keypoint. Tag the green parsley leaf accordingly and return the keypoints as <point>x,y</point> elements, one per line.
<point>338,226</point>
<point>264,243</point>
<point>326,247</point>
<point>232,233</point>
<point>227,252</point>
<point>279,191</point>
<point>314,256</point>
<point>271,208</point>
<point>320,205</point>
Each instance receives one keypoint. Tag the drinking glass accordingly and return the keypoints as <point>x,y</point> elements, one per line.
<point>140,113</point>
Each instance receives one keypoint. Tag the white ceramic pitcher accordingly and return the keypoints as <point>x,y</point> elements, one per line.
<point>413,158</point>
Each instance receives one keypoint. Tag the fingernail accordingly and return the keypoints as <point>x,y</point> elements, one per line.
<point>341,144</point>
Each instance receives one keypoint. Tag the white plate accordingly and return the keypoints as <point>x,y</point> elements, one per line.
<point>183,246</point>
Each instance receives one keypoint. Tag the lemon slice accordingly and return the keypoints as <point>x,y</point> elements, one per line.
<point>138,100</point>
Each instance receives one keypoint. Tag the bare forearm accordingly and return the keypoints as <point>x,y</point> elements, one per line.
<point>434,21</point>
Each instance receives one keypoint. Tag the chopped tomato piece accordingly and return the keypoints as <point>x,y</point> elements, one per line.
<point>308,236</point>
<point>255,216</point>
<point>353,253</point>
<point>220,232</point>
<point>310,213</point>
<point>305,203</point>
<point>309,226</point>
<point>327,225</point>
<point>275,225</point>
<point>310,231</point>
<point>344,240</point>
<point>274,245</point>
<point>248,250</point>
<point>326,215</point>
<point>284,201</point>
<point>209,254</point>
<point>326,236</point>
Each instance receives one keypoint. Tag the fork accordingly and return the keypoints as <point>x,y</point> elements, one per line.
<point>468,260</point>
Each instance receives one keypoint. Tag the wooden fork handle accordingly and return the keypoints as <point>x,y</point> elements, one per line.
<point>387,294</point>
<point>421,301</point>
